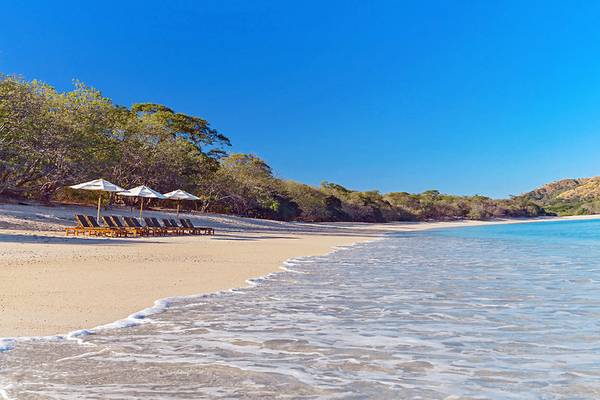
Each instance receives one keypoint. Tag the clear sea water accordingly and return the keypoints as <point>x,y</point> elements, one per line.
<point>496,312</point>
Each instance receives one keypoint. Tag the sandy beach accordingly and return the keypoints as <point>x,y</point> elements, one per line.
<point>50,284</point>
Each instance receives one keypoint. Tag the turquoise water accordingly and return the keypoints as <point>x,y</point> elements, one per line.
<point>497,312</point>
<point>576,232</point>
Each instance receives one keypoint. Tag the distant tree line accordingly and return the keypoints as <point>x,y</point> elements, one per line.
<point>49,140</point>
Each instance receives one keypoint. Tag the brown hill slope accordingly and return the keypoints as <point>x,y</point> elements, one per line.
<point>568,196</point>
<point>589,189</point>
<point>551,190</point>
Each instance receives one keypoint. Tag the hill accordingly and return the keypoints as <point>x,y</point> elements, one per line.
<point>568,196</point>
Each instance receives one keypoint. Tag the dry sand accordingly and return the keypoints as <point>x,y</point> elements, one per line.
<point>51,285</point>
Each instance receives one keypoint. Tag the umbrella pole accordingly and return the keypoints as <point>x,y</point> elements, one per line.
<point>98,213</point>
<point>178,208</point>
<point>141,206</point>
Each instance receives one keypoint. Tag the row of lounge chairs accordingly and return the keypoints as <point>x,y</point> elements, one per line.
<point>114,227</point>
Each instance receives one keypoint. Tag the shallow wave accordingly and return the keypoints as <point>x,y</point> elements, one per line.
<point>6,344</point>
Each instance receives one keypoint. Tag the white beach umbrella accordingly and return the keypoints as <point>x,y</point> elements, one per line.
<point>142,192</point>
<point>100,185</point>
<point>180,195</point>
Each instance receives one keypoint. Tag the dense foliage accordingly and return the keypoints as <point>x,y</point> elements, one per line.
<point>49,140</point>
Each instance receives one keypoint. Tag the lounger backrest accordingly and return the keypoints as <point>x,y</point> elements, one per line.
<point>82,221</point>
<point>189,222</point>
<point>136,223</point>
<point>93,221</point>
<point>149,222</point>
<point>156,223</point>
<point>167,223</point>
<point>117,221</point>
<point>174,223</point>
<point>129,222</point>
<point>108,221</point>
<point>184,223</point>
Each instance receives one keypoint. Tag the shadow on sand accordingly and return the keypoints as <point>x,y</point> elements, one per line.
<point>18,238</point>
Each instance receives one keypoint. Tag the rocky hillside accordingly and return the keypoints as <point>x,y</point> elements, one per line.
<point>568,196</point>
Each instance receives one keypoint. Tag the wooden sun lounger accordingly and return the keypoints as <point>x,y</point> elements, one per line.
<point>85,227</point>
<point>82,227</point>
<point>106,231</point>
<point>115,223</point>
<point>134,230</point>
<point>108,221</point>
<point>134,223</point>
<point>85,224</point>
<point>152,224</point>
<point>174,229</point>
<point>204,229</point>
<point>183,228</point>
<point>76,230</point>
<point>195,231</point>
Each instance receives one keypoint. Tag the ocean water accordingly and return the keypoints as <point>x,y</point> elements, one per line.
<point>497,312</point>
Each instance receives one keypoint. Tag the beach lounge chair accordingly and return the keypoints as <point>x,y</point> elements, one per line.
<point>183,228</point>
<point>195,231</point>
<point>133,230</point>
<point>82,227</point>
<point>204,229</point>
<point>153,224</point>
<point>76,230</point>
<point>173,229</point>
<point>108,221</point>
<point>85,227</point>
<point>134,223</point>
<point>129,224</point>
<point>184,223</point>
<point>115,223</point>
<point>106,231</point>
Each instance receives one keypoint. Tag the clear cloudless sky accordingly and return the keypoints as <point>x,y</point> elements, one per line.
<point>488,97</point>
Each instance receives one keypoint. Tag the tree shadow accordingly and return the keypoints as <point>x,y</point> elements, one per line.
<point>18,238</point>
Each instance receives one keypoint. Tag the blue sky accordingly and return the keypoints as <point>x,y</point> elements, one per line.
<point>489,97</point>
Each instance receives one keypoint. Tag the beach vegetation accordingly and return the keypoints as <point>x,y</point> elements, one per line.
<point>51,139</point>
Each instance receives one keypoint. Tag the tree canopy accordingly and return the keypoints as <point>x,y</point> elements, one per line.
<point>49,140</point>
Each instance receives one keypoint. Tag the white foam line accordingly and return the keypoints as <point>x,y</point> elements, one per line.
<point>6,344</point>
<point>135,319</point>
<point>91,353</point>
<point>4,394</point>
<point>293,271</point>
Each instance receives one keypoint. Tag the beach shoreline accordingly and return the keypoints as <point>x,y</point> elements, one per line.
<point>52,285</point>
